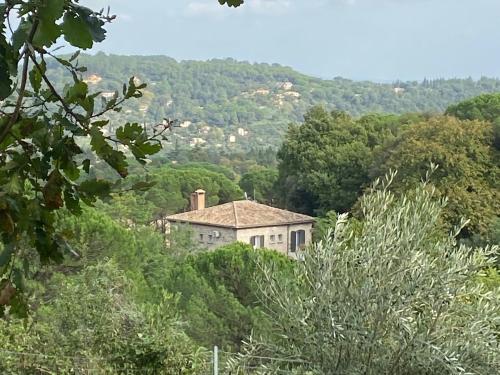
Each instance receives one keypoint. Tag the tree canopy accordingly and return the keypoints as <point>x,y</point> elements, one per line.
<point>324,162</point>
<point>468,170</point>
<point>259,183</point>
<point>484,107</point>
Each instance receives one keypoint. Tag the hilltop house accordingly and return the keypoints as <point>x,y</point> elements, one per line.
<point>245,221</point>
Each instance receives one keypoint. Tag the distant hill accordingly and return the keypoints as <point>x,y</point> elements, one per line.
<point>223,102</point>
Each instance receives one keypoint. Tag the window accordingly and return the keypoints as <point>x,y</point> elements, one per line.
<point>280,238</point>
<point>201,237</point>
<point>297,240</point>
<point>210,238</point>
<point>273,238</point>
<point>301,238</point>
<point>257,241</point>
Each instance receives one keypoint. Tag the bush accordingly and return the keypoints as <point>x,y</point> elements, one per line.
<point>396,297</point>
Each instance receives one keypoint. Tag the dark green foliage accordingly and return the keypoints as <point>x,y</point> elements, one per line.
<point>484,107</point>
<point>118,304</point>
<point>95,236</point>
<point>468,170</point>
<point>219,294</point>
<point>259,183</point>
<point>231,3</point>
<point>170,192</point>
<point>91,323</point>
<point>324,162</point>
<point>324,224</point>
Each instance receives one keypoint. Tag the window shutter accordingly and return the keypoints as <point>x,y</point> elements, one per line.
<point>293,241</point>
<point>261,241</point>
<point>252,241</point>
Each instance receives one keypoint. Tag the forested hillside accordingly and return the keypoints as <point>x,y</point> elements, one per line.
<point>226,102</point>
<point>402,273</point>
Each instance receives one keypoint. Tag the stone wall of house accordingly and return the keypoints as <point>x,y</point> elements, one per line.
<point>276,237</point>
<point>211,237</point>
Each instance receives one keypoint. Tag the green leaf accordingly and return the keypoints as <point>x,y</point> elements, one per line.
<point>72,201</point>
<point>76,31</point>
<point>78,91</point>
<point>149,148</point>
<point>74,56</point>
<point>5,255</point>
<point>97,141</point>
<point>129,132</point>
<point>100,123</point>
<point>5,84</point>
<point>116,159</point>
<point>46,33</point>
<point>86,165</point>
<point>51,10</point>
<point>46,247</point>
<point>94,187</point>
<point>13,186</point>
<point>8,62</point>
<point>17,278</point>
<point>36,76</point>
<point>21,34</point>
<point>94,24</point>
<point>71,170</point>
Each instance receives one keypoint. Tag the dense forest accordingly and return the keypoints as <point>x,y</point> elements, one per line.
<point>402,276</point>
<point>214,99</point>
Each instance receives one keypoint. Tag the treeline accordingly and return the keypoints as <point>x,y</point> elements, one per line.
<point>261,98</point>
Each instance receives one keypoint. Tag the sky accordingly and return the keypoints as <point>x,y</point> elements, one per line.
<point>379,40</point>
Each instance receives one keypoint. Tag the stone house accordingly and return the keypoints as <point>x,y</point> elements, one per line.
<point>245,221</point>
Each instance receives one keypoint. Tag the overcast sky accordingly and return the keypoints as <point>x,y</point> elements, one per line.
<point>379,40</point>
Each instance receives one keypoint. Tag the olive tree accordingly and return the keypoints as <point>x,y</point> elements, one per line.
<point>394,296</point>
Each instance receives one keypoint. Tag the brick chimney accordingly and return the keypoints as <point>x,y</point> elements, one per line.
<point>198,200</point>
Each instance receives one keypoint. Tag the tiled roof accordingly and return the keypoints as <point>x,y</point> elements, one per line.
<point>241,214</point>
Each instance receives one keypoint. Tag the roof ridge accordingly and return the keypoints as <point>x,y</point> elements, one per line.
<point>280,209</point>
<point>235,215</point>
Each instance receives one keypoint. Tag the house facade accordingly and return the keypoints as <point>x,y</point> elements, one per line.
<point>245,221</point>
